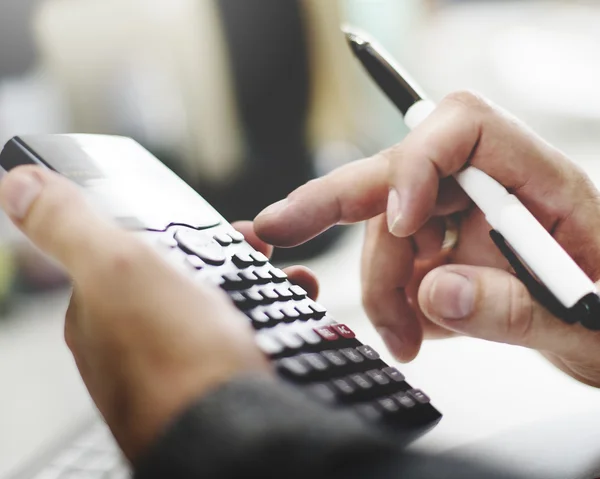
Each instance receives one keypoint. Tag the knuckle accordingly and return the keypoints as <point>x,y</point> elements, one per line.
<point>467,99</point>
<point>127,256</point>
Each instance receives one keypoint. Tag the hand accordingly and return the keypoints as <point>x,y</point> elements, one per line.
<point>411,288</point>
<point>147,340</point>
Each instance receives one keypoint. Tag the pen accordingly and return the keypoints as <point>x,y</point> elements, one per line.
<point>549,273</point>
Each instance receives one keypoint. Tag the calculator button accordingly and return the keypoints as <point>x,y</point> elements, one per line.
<point>327,333</point>
<point>316,361</point>
<point>344,386</point>
<point>249,277</point>
<point>260,319</point>
<point>419,396</point>
<point>268,344</point>
<point>368,352</point>
<point>353,355</point>
<point>254,297</point>
<point>405,401</point>
<point>290,313</point>
<point>378,377</point>
<point>239,299</point>
<point>295,367</point>
<point>284,293</point>
<point>278,276</point>
<point>242,260</point>
<point>259,259</point>
<point>309,336</point>
<point>269,295</point>
<point>323,392</point>
<point>224,240</point>
<point>394,374</point>
<point>290,339</point>
<point>204,247</point>
<point>368,411</point>
<point>233,282</point>
<point>298,292</point>
<point>275,314</point>
<point>195,262</point>
<point>389,405</point>
<point>236,236</point>
<point>344,331</point>
<point>263,276</point>
<point>304,310</point>
<point>362,381</point>
<point>335,358</point>
<point>319,310</point>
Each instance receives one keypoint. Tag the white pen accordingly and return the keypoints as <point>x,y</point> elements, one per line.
<point>535,247</point>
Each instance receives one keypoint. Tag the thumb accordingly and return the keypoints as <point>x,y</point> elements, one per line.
<point>494,305</point>
<point>53,213</point>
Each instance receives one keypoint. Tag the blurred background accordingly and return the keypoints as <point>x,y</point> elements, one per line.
<point>248,99</point>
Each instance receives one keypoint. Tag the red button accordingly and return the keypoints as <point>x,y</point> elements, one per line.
<point>344,331</point>
<point>327,334</point>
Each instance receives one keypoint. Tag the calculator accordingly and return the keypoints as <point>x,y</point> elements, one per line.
<point>323,358</point>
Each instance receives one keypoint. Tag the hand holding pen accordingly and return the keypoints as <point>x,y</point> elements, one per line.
<point>412,288</point>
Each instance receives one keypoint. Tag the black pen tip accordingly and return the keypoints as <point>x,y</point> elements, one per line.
<point>354,39</point>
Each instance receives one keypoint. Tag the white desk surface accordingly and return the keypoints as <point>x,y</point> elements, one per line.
<point>497,400</point>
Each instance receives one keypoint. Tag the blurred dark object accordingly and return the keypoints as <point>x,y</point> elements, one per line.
<point>269,55</point>
<point>18,52</point>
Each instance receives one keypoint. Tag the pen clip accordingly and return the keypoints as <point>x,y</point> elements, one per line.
<point>539,291</point>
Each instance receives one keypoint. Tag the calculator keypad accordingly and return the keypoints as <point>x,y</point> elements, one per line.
<point>321,356</point>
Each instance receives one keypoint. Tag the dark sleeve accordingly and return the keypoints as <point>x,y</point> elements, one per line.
<point>259,427</point>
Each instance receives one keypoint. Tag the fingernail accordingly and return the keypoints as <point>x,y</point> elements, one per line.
<point>394,211</point>
<point>392,341</point>
<point>18,193</point>
<point>275,208</point>
<point>452,296</point>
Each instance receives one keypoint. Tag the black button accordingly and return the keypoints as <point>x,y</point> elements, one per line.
<point>249,277</point>
<point>290,339</point>
<point>394,374</point>
<point>290,313</point>
<point>419,396</point>
<point>319,310</point>
<point>323,392</point>
<point>224,240</point>
<point>389,405</point>
<point>202,246</point>
<point>269,295</point>
<point>242,260</point>
<point>233,282</point>
<point>294,367</point>
<point>236,236</point>
<point>195,262</point>
<point>239,299</point>
<point>260,319</point>
<point>254,297</point>
<point>379,377</point>
<point>344,386</point>
<point>362,381</point>
<point>298,292</point>
<point>352,355</point>
<point>259,259</point>
<point>278,275</point>
<point>305,311</point>
<point>335,358</point>
<point>368,352</point>
<point>268,344</point>
<point>284,293</point>
<point>263,276</point>
<point>274,314</point>
<point>368,411</point>
<point>316,361</point>
<point>405,401</point>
